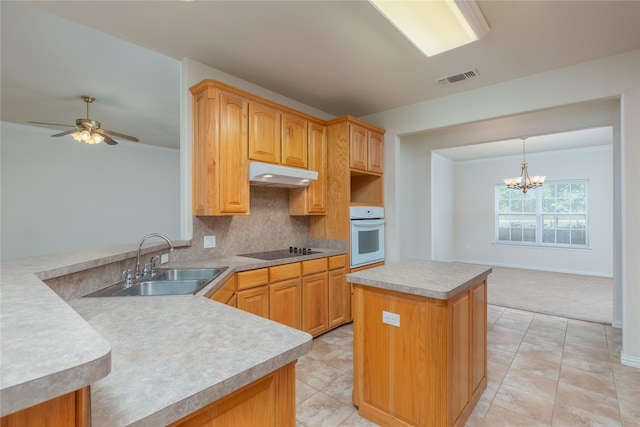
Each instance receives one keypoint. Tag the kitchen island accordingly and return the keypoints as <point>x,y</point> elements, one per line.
<point>147,360</point>
<point>420,342</point>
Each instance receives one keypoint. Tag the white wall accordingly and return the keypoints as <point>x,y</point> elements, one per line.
<point>443,209</point>
<point>59,195</point>
<point>474,211</point>
<point>615,77</point>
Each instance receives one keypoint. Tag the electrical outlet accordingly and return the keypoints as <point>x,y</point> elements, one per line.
<point>209,242</point>
<point>391,319</point>
<point>164,258</point>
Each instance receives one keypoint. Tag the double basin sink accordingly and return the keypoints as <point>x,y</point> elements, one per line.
<point>177,281</point>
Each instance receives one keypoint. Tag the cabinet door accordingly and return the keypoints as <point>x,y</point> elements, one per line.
<point>227,291</point>
<point>264,133</point>
<point>68,410</point>
<point>255,300</point>
<point>460,353</point>
<point>204,181</point>
<point>314,303</point>
<point>376,152</point>
<point>339,297</point>
<point>285,299</point>
<point>478,335</point>
<point>316,192</point>
<point>233,165</point>
<point>358,146</point>
<point>294,141</point>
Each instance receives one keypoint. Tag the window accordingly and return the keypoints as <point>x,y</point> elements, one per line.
<point>553,215</point>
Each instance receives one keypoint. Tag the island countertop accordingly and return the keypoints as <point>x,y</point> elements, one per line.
<point>432,279</point>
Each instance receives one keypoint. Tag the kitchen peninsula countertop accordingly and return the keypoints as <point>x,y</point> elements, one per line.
<point>432,279</point>
<point>149,360</point>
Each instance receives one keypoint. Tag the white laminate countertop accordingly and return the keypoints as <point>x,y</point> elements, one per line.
<point>432,279</point>
<point>149,360</point>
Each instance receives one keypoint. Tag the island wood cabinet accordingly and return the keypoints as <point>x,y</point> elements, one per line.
<point>220,161</point>
<point>438,351</point>
<point>269,401</point>
<point>69,410</point>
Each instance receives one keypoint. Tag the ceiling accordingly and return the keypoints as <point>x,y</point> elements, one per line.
<point>583,139</point>
<point>340,57</point>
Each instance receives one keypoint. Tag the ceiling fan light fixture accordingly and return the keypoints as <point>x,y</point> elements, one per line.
<point>88,137</point>
<point>435,26</point>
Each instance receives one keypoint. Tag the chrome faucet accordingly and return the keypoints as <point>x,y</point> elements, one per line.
<point>162,236</point>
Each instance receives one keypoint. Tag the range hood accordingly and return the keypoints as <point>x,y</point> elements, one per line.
<point>268,174</point>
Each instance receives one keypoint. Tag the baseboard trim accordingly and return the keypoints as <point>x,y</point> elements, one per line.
<point>629,360</point>
<point>617,324</point>
<point>530,267</point>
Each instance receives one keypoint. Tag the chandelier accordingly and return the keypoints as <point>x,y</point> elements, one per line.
<point>524,182</point>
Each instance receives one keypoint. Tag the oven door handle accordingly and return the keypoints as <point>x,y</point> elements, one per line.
<point>367,224</point>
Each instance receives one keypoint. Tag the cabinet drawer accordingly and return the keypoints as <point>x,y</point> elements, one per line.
<point>337,261</point>
<point>284,272</point>
<point>226,291</point>
<point>314,266</point>
<point>252,278</point>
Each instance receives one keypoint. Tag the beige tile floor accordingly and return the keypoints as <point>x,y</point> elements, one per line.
<point>542,371</point>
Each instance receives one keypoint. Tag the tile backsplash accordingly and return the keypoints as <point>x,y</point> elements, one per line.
<point>268,227</point>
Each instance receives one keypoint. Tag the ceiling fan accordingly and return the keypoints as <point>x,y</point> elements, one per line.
<point>89,131</point>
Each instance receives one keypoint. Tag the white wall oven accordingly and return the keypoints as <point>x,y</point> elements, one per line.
<point>367,235</point>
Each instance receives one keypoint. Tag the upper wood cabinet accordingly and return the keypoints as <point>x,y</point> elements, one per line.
<point>277,136</point>
<point>220,165</point>
<point>375,157</point>
<point>358,147</point>
<point>312,200</point>
<point>294,141</point>
<point>264,133</point>
<point>366,149</point>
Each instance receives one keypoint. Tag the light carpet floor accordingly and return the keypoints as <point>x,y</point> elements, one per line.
<point>573,296</point>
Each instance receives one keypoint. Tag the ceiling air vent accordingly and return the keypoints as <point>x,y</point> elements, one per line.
<point>458,77</point>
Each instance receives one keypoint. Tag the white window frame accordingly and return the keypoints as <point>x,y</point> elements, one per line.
<point>539,229</point>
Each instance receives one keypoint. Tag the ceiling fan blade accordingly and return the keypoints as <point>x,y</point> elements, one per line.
<point>109,140</point>
<point>51,124</point>
<point>119,135</point>
<point>67,132</point>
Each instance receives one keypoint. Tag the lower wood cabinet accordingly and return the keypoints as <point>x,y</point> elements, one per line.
<point>315,293</point>
<point>339,298</point>
<point>226,293</point>
<point>69,410</point>
<point>312,295</point>
<point>269,402</point>
<point>254,300</point>
<point>285,299</point>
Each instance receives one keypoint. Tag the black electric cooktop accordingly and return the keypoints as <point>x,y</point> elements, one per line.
<point>280,253</point>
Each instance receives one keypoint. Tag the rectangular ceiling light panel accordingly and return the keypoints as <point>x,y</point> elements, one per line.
<point>435,26</point>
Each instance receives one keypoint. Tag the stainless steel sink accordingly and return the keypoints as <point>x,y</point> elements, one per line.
<point>165,282</point>
<point>186,274</point>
